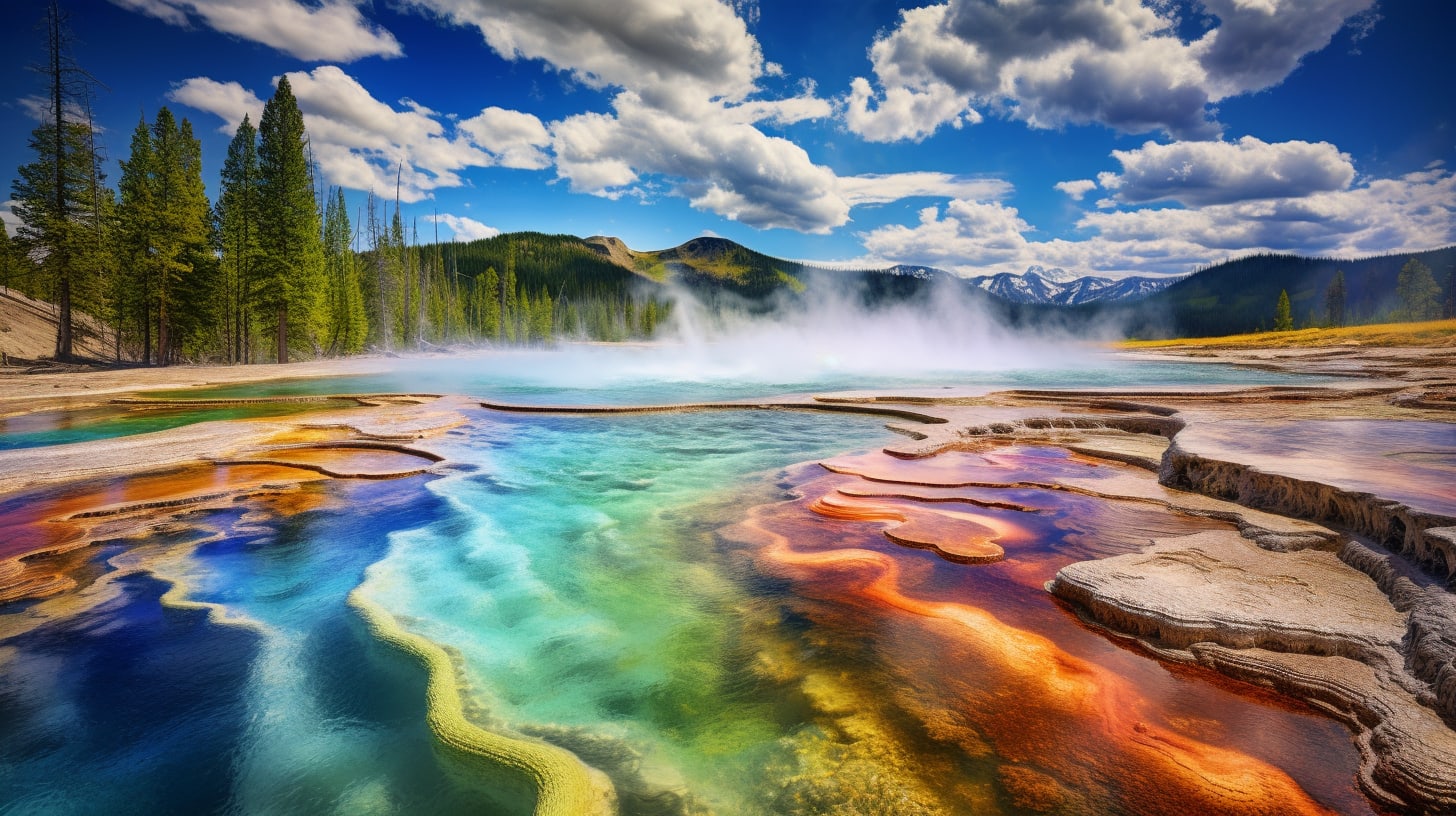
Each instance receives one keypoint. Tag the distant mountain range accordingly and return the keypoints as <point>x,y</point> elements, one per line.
<point>1038,285</point>
<point>1047,286</point>
<point>720,264</point>
<point>1227,298</point>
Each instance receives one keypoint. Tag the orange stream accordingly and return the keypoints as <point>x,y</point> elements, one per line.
<point>40,531</point>
<point>1089,724</point>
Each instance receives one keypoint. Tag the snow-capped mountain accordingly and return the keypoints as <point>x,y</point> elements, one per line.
<point>921,272</point>
<point>1038,285</point>
<point>1055,275</point>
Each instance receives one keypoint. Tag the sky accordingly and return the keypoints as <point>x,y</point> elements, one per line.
<point>1101,137</point>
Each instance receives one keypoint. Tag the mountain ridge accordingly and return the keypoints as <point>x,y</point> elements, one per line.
<point>709,259</point>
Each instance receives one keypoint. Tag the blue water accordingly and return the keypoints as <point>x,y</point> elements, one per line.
<point>135,708</point>
<point>617,376</point>
<point>61,427</point>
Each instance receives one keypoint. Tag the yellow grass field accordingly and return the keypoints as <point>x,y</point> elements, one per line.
<point>1433,333</point>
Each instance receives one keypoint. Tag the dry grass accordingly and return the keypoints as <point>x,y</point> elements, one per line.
<point>1434,333</point>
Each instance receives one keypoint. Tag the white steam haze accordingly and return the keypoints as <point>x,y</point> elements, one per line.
<point>831,332</point>
<point>826,337</point>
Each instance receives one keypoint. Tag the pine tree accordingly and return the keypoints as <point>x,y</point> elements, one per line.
<point>490,307</point>
<point>181,241</point>
<point>166,241</point>
<point>541,316</point>
<point>237,217</point>
<point>420,284</point>
<point>508,299</point>
<point>1418,292</point>
<point>1283,320</point>
<point>649,319</point>
<point>290,262</point>
<point>7,261</point>
<point>348,323</point>
<point>1335,299</point>
<point>397,275</point>
<point>1450,307</point>
<point>136,227</point>
<point>56,195</point>
<point>376,282</point>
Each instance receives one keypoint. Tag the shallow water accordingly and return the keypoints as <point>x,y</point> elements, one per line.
<point>645,376</point>
<point>585,573</point>
<point>60,427</point>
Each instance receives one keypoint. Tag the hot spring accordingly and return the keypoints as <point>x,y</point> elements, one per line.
<point>652,595</point>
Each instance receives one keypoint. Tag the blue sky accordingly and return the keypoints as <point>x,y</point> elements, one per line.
<point>1107,137</point>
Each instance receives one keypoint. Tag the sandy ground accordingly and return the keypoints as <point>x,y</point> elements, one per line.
<point>21,392</point>
<point>28,330</point>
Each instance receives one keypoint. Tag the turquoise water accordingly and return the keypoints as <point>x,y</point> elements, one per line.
<point>44,428</point>
<point>576,574</point>
<point>640,376</point>
<point>620,376</point>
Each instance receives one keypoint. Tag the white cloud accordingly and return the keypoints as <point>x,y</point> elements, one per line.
<point>1257,45</point>
<point>39,109</point>
<point>666,51</point>
<point>782,111</point>
<point>517,139</point>
<point>887,187</point>
<point>966,235</point>
<point>1417,210</point>
<point>8,216</point>
<point>362,143</point>
<point>1076,188</point>
<point>465,229</point>
<point>1119,63</point>
<point>902,113</point>
<point>687,118</point>
<point>1199,173</point>
<point>719,163</point>
<point>228,100</point>
<point>686,109</point>
<point>326,31</point>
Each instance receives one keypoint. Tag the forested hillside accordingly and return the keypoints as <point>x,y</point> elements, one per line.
<point>1243,295</point>
<point>276,268</point>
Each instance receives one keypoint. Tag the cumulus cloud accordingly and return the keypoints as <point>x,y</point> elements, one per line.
<point>1414,210</point>
<point>1259,44</point>
<point>1200,173</point>
<point>327,31</point>
<point>230,101</point>
<point>516,139</point>
<point>720,165</point>
<point>667,52</point>
<point>904,113</point>
<point>464,229</point>
<point>1119,63</point>
<point>882,188</point>
<point>965,235</point>
<point>1381,215</point>
<point>38,108</point>
<point>8,217</point>
<point>686,110</point>
<point>687,117</point>
<point>362,143</point>
<point>1076,188</point>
